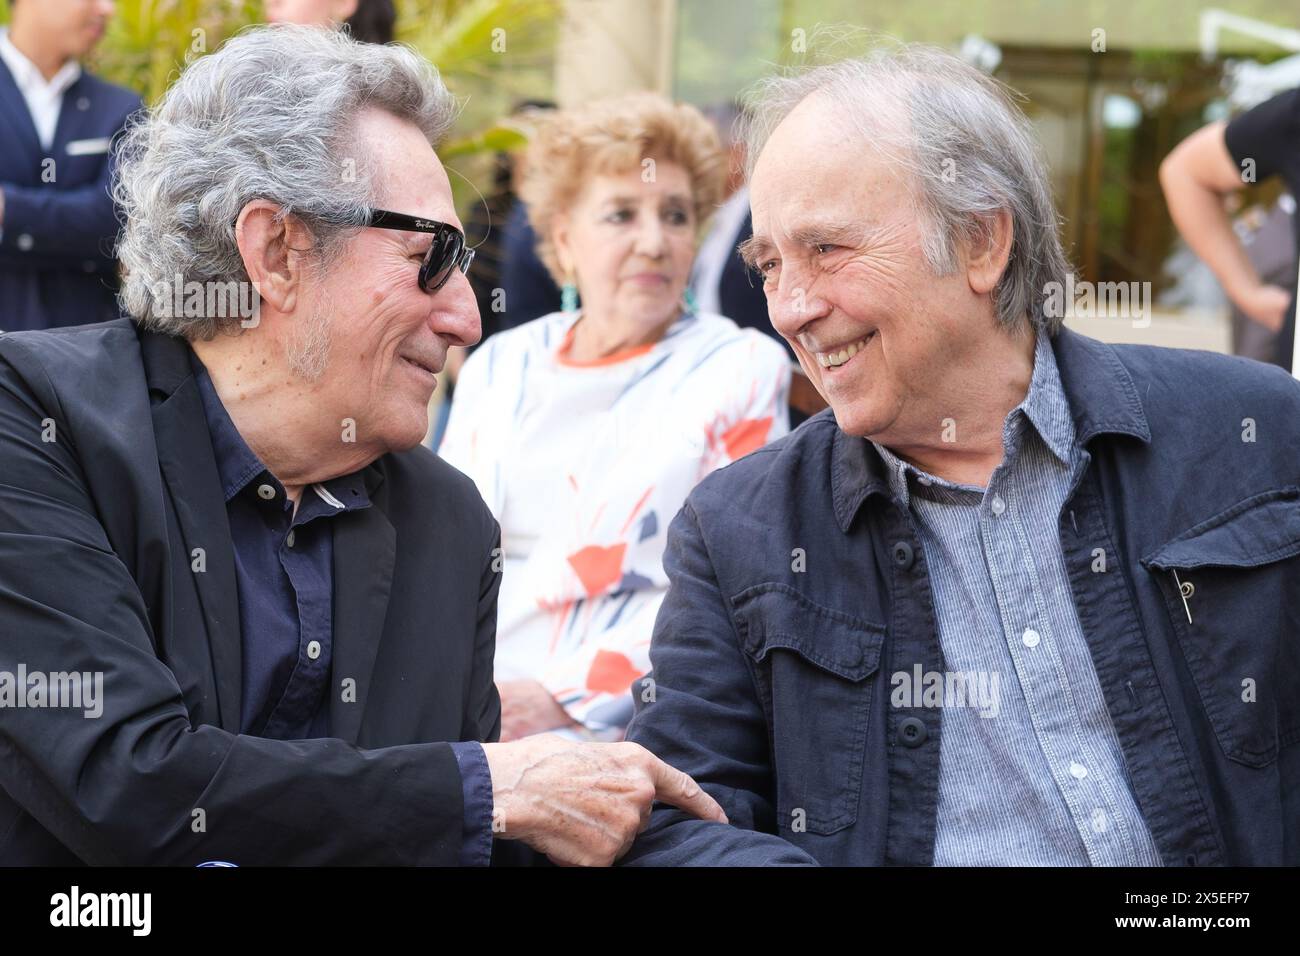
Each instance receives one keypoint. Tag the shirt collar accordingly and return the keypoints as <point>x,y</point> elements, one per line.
<point>1046,406</point>
<point>238,465</point>
<point>27,75</point>
<point>1098,395</point>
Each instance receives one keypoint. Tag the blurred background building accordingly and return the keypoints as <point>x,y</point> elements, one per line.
<point>1111,87</point>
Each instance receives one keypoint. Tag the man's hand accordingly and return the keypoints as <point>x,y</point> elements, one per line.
<point>582,804</point>
<point>528,708</point>
<point>1266,304</point>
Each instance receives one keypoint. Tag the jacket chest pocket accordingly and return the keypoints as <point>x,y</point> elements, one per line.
<point>811,665</point>
<point>1232,586</point>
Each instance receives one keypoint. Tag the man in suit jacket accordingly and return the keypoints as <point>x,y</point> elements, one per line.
<point>243,615</point>
<point>57,219</point>
<point>721,281</point>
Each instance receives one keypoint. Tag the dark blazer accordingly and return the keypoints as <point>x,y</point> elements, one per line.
<point>740,293</point>
<point>56,261</point>
<point>108,491</point>
<point>772,676</point>
<point>529,290</point>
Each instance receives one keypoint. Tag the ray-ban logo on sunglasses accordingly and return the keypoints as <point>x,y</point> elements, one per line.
<point>447,252</point>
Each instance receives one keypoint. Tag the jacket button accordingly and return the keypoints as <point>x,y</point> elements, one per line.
<point>911,730</point>
<point>903,555</point>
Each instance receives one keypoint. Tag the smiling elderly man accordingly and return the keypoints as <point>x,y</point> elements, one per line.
<point>1106,539</point>
<point>219,512</point>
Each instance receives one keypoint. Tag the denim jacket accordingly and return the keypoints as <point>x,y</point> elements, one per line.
<point>798,586</point>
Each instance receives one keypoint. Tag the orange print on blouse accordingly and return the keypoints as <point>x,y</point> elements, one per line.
<point>611,672</point>
<point>598,568</point>
<point>743,437</point>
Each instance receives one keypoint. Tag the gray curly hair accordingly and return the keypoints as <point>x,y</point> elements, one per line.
<point>970,151</point>
<point>270,115</point>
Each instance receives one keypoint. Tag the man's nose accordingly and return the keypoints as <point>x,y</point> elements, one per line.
<point>455,312</point>
<point>792,305</point>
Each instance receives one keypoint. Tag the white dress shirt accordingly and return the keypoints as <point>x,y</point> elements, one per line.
<point>44,100</point>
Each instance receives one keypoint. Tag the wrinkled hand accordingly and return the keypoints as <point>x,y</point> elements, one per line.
<point>528,708</point>
<point>1266,304</point>
<point>582,804</point>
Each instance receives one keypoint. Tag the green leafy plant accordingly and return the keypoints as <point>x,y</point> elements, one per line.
<point>490,53</point>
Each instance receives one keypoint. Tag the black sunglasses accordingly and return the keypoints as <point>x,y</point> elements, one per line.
<point>446,253</point>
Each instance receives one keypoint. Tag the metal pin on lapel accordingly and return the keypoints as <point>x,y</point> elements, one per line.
<point>1184,591</point>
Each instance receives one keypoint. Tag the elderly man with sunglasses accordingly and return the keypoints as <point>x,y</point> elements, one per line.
<point>244,617</point>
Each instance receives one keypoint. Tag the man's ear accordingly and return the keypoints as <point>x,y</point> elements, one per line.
<point>274,252</point>
<point>989,253</point>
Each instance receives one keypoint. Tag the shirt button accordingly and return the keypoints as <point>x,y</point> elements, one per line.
<point>903,555</point>
<point>83,104</point>
<point>290,539</point>
<point>313,649</point>
<point>998,505</point>
<point>266,492</point>
<point>25,242</point>
<point>912,731</point>
<point>1078,770</point>
<point>1031,637</point>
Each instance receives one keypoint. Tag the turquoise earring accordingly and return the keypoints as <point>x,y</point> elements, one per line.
<point>688,299</point>
<point>569,297</point>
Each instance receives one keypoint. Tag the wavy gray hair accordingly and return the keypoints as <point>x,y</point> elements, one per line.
<point>969,150</point>
<point>270,115</point>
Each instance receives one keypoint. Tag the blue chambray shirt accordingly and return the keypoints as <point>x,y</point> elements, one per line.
<point>284,570</point>
<point>1031,770</point>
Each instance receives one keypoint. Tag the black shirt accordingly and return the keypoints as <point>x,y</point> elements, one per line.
<point>1265,142</point>
<point>284,568</point>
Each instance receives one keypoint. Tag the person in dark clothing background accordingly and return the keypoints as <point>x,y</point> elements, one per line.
<point>510,283</point>
<point>1220,159</point>
<point>529,290</point>
<point>720,280</point>
<point>1268,235</point>
<point>370,21</point>
<point>57,127</point>
<point>374,21</point>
